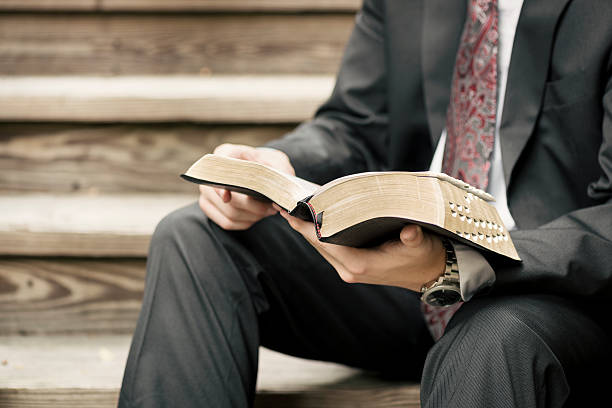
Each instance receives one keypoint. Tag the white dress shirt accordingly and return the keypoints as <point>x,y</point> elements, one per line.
<point>475,271</point>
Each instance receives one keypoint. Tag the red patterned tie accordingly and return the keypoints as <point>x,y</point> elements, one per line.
<point>470,121</point>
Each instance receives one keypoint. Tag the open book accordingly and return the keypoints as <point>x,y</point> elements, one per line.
<point>367,208</point>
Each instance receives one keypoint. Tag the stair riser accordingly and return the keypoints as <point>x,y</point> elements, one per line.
<point>157,44</point>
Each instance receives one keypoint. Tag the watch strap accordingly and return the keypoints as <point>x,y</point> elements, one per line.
<point>451,268</point>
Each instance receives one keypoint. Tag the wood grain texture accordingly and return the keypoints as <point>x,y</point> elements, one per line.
<point>81,225</point>
<point>268,99</point>
<point>101,159</point>
<point>91,369</point>
<point>181,5</point>
<point>55,296</point>
<point>406,396</point>
<point>65,398</point>
<point>152,44</point>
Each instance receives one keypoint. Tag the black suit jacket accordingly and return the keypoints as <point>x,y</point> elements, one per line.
<point>388,109</point>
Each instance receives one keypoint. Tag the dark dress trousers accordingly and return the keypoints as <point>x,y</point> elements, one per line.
<point>537,338</point>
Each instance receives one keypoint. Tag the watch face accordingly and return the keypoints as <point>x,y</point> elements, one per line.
<point>441,296</point>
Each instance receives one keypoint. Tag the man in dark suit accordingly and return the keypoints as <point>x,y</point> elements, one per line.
<point>533,334</point>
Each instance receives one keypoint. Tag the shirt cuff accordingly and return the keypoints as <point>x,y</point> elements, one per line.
<point>475,273</point>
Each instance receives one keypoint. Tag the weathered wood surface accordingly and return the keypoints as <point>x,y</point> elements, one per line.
<point>97,159</point>
<point>286,381</point>
<point>63,397</point>
<point>79,225</point>
<point>67,295</point>
<point>398,396</point>
<point>60,370</point>
<point>181,5</point>
<point>284,99</point>
<point>150,44</point>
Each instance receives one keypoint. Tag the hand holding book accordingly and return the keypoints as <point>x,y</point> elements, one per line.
<point>414,257</point>
<point>390,264</point>
<point>379,228</point>
<point>233,210</point>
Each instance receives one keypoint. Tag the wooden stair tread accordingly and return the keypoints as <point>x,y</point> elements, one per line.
<point>89,369</point>
<point>180,5</point>
<point>162,99</point>
<point>77,225</point>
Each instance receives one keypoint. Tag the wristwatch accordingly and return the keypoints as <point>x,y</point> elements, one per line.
<point>445,290</point>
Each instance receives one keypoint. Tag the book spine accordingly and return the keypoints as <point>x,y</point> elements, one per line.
<point>305,211</point>
<point>317,219</point>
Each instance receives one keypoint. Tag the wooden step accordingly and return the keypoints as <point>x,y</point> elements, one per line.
<point>82,225</point>
<point>181,5</point>
<point>110,159</point>
<point>177,44</point>
<point>43,296</point>
<point>80,371</point>
<point>284,99</point>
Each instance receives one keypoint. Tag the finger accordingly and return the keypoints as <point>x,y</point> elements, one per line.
<point>213,213</point>
<point>306,229</point>
<point>301,226</point>
<point>344,259</point>
<point>351,259</point>
<point>231,150</point>
<point>270,157</point>
<point>230,211</point>
<point>252,205</point>
<point>225,195</point>
<point>248,154</point>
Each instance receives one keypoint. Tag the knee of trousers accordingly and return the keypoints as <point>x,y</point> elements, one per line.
<point>188,250</point>
<point>184,241</point>
<point>185,223</point>
<point>492,348</point>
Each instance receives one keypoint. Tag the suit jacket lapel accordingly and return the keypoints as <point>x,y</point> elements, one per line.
<point>527,76</point>
<point>442,27</point>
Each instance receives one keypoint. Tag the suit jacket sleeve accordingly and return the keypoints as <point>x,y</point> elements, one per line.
<point>571,255</point>
<point>349,132</point>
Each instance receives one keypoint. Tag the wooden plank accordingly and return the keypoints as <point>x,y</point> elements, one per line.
<point>102,159</point>
<point>65,398</point>
<point>286,99</point>
<point>182,5</point>
<point>399,396</point>
<point>48,5</point>
<point>286,381</point>
<point>78,225</point>
<point>91,370</point>
<point>55,295</point>
<point>153,44</point>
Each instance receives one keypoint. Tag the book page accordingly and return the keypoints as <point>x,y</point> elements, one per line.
<point>308,187</point>
<point>252,178</point>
